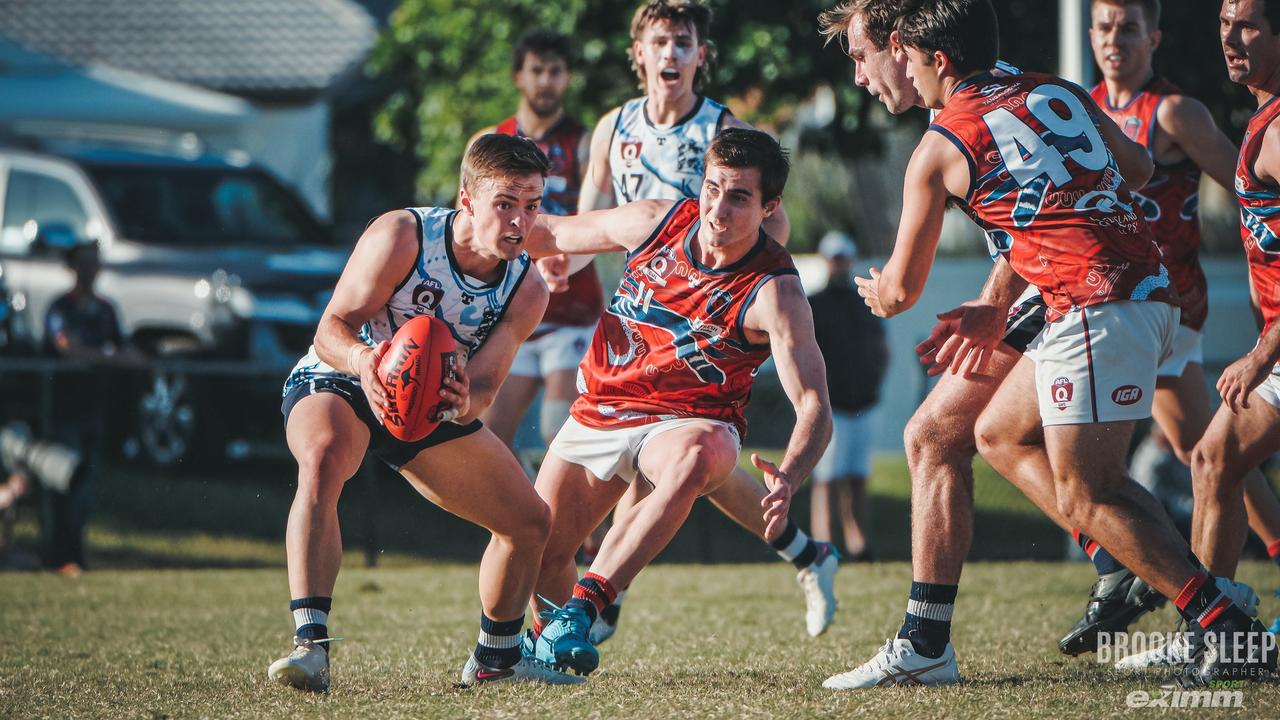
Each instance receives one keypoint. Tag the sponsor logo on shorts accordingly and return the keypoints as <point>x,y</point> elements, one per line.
<point>1061,392</point>
<point>1126,395</point>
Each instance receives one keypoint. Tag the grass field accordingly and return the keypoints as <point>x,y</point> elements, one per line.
<point>697,641</point>
<point>186,607</point>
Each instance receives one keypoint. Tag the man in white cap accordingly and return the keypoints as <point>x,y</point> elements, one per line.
<point>853,344</point>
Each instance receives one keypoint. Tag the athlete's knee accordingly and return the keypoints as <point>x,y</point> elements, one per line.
<point>324,466</point>
<point>933,439</point>
<point>703,462</point>
<point>989,438</point>
<point>1212,471</point>
<point>529,526</point>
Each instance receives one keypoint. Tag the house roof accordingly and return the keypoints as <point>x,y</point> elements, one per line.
<point>237,46</point>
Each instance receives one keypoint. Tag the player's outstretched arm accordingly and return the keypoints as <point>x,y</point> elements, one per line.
<point>781,311</point>
<point>937,172</point>
<point>382,258</point>
<point>599,231</point>
<point>597,183</point>
<point>1191,126</point>
<point>777,225</point>
<point>489,366</point>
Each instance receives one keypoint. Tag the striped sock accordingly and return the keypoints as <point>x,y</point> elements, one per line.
<point>1273,552</point>
<point>311,618</point>
<point>1102,560</point>
<point>927,623</point>
<point>795,547</point>
<point>593,593</point>
<point>1201,601</point>
<point>499,643</point>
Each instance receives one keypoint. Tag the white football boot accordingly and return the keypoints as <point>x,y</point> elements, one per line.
<point>529,669</point>
<point>818,581</point>
<point>306,668</point>
<point>898,663</point>
<point>1178,651</point>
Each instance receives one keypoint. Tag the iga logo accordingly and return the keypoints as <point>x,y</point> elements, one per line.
<point>1126,395</point>
<point>1061,392</point>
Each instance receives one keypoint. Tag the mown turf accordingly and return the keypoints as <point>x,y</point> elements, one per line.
<point>697,641</point>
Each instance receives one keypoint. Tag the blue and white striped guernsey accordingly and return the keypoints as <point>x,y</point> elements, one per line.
<point>648,163</point>
<point>435,286</point>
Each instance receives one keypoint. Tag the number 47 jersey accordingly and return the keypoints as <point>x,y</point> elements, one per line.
<point>1046,189</point>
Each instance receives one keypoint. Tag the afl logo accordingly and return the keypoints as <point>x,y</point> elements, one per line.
<point>428,294</point>
<point>631,150</point>
<point>1061,392</point>
<point>1126,395</point>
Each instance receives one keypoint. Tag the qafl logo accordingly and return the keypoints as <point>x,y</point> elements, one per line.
<point>1126,395</point>
<point>428,294</point>
<point>631,151</point>
<point>1061,392</point>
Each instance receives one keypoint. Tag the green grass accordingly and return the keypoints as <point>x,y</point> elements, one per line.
<point>697,641</point>
<point>186,607</point>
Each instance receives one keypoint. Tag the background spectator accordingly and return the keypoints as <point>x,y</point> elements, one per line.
<point>853,344</point>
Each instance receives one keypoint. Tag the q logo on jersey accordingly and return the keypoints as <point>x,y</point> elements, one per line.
<point>631,150</point>
<point>428,294</point>
<point>1061,392</point>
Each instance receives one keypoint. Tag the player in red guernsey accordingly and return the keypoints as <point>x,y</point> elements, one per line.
<point>1028,159</point>
<point>1182,139</point>
<point>707,296</point>
<point>1246,428</point>
<point>549,358</point>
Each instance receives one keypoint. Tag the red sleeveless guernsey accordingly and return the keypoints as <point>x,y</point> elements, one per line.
<point>672,344</point>
<point>1170,202</point>
<point>1260,216</point>
<point>1046,190</point>
<point>581,304</point>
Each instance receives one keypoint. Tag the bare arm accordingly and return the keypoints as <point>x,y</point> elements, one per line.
<point>597,184</point>
<point>381,259</point>
<point>487,369</point>
<point>599,231</point>
<point>937,172</point>
<point>1189,123</point>
<point>781,311</point>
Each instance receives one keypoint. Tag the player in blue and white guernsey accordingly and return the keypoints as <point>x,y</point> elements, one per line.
<point>468,268</point>
<point>652,148</point>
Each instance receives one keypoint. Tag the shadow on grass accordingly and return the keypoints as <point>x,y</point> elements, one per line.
<point>149,513</point>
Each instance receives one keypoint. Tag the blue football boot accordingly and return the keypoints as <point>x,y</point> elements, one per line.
<point>565,640</point>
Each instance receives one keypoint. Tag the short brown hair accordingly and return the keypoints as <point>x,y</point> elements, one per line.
<point>1150,9</point>
<point>496,155</point>
<point>676,12</point>
<point>879,17</point>
<point>967,31</point>
<point>741,149</point>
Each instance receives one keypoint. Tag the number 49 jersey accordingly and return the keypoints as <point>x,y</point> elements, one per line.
<point>1046,189</point>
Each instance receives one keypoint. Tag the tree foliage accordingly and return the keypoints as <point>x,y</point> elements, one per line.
<point>447,67</point>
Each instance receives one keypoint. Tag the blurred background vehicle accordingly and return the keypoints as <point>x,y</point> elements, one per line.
<point>206,259</point>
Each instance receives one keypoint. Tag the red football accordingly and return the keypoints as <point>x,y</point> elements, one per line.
<point>422,354</point>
